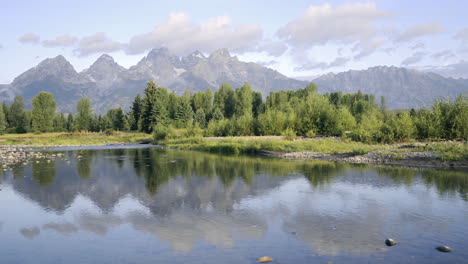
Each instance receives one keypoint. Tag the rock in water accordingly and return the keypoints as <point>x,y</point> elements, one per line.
<point>264,259</point>
<point>444,249</point>
<point>390,242</point>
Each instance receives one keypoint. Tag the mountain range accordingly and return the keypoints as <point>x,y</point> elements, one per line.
<point>110,85</point>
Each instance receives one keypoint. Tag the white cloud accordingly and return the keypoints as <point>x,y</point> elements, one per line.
<point>29,38</point>
<point>417,31</point>
<point>445,54</point>
<point>273,48</point>
<point>462,35</point>
<point>97,43</point>
<point>180,35</point>
<point>413,59</point>
<point>366,48</point>
<point>343,24</point>
<point>456,70</point>
<point>267,63</point>
<point>61,41</point>
<point>311,65</point>
<point>419,45</point>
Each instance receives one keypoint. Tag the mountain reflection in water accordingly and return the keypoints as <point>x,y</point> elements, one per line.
<point>174,206</point>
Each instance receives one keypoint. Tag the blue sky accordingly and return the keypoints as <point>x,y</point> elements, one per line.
<point>297,38</point>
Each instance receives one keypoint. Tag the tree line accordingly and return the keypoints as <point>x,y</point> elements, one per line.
<point>243,112</point>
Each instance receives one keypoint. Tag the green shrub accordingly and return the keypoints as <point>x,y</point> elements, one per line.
<point>310,133</point>
<point>289,134</point>
<point>161,132</point>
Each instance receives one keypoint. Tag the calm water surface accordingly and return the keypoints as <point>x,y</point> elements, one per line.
<point>154,206</point>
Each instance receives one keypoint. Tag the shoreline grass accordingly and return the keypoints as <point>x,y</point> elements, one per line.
<point>252,146</point>
<point>445,151</point>
<point>63,138</point>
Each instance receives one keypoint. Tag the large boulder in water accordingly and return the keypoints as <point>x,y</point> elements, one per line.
<point>444,249</point>
<point>390,242</point>
<point>264,259</point>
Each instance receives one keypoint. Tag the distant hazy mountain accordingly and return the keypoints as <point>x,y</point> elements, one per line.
<point>402,88</point>
<point>110,85</point>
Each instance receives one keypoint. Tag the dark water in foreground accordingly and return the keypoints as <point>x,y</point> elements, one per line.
<point>151,206</point>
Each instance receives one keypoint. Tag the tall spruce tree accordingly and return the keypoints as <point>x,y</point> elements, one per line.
<point>3,121</point>
<point>146,119</point>
<point>70,122</point>
<point>16,115</point>
<point>136,110</point>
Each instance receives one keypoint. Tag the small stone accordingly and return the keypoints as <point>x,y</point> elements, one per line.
<point>444,249</point>
<point>264,259</point>
<point>390,242</point>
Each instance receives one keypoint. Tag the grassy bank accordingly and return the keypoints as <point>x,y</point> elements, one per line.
<point>258,144</point>
<point>445,151</point>
<point>71,138</point>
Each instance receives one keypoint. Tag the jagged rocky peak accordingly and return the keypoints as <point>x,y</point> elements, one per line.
<point>158,53</point>
<point>220,54</point>
<point>105,58</point>
<point>57,67</point>
<point>104,69</point>
<point>104,62</point>
<point>197,54</point>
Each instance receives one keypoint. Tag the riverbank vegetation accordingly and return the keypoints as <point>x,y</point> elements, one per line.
<point>356,118</point>
<point>75,139</point>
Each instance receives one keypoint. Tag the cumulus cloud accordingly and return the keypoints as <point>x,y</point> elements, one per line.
<point>61,41</point>
<point>417,31</point>
<point>322,24</point>
<point>273,48</point>
<point>366,48</point>
<point>462,35</point>
<point>267,63</point>
<point>97,43</point>
<point>445,54</point>
<point>413,59</point>
<point>456,70</point>
<point>29,38</point>
<point>339,61</point>
<point>180,35</point>
<point>419,45</point>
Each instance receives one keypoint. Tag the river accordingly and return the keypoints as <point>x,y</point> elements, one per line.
<point>147,205</point>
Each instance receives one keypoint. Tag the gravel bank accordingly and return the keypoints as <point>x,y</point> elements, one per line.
<point>379,157</point>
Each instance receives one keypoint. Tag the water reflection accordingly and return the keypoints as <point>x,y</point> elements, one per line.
<point>182,198</point>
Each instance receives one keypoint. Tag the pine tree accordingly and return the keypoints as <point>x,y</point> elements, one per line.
<point>136,110</point>
<point>70,122</point>
<point>3,121</point>
<point>16,115</point>
<point>217,115</point>
<point>200,118</point>
<point>60,123</point>
<point>146,119</point>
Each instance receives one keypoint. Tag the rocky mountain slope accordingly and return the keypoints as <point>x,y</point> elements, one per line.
<point>402,88</point>
<point>110,85</point>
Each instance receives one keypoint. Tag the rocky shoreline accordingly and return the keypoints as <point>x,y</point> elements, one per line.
<point>378,157</point>
<point>11,155</point>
